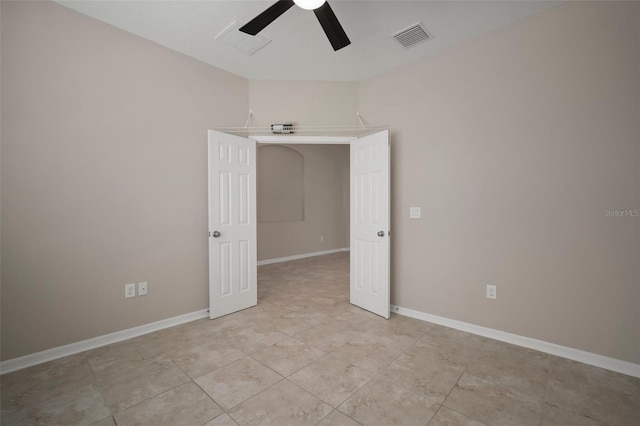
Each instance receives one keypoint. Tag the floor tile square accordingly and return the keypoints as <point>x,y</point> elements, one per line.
<point>290,324</point>
<point>429,377</point>
<point>331,379</point>
<point>185,405</point>
<point>82,406</point>
<point>492,404</point>
<point>138,380</point>
<point>451,345</point>
<point>283,404</point>
<point>554,416</point>
<point>361,321</point>
<point>397,335</point>
<point>513,367</point>
<point>328,336</point>
<point>128,354</point>
<point>250,337</point>
<point>33,385</point>
<point>288,356</point>
<point>381,403</point>
<point>199,358</point>
<point>234,383</point>
<point>366,352</point>
<point>599,394</point>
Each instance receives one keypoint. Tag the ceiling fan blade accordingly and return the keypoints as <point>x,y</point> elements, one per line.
<point>331,26</point>
<point>260,22</point>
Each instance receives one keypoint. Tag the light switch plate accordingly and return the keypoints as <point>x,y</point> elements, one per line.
<point>415,213</point>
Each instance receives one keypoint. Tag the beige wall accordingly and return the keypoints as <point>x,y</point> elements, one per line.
<point>304,103</point>
<point>515,144</point>
<point>326,205</point>
<point>104,176</point>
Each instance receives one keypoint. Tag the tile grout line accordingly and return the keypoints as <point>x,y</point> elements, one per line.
<point>199,387</point>
<point>435,414</point>
<point>224,411</point>
<point>546,387</point>
<point>343,413</point>
<point>442,404</point>
<point>465,371</point>
<point>451,391</point>
<point>257,393</point>
<point>93,373</point>
<point>95,379</point>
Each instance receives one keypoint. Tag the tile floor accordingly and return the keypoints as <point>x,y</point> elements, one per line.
<point>305,356</point>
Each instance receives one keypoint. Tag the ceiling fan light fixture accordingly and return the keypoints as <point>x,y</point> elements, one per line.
<point>309,4</point>
<point>328,20</point>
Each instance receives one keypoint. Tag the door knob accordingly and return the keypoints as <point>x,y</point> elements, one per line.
<point>216,234</point>
<point>380,233</point>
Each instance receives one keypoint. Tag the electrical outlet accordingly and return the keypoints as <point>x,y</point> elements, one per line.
<point>321,238</point>
<point>129,290</point>
<point>142,288</point>
<point>415,212</point>
<point>492,292</point>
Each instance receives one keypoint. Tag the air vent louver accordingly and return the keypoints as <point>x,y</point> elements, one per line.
<point>241,41</point>
<point>412,35</point>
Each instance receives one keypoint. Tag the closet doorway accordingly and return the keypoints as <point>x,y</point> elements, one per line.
<point>302,200</point>
<point>233,219</point>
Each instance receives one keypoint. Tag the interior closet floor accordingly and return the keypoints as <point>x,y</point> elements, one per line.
<point>305,356</point>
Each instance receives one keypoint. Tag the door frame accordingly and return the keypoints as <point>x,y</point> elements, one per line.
<point>308,140</point>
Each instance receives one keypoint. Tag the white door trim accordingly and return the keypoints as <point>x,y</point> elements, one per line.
<point>311,140</point>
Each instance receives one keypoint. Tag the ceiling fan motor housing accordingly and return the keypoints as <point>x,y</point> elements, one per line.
<point>327,18</point>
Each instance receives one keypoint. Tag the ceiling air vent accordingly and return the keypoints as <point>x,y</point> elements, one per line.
<point>241,41</point>
<point>413,35</point>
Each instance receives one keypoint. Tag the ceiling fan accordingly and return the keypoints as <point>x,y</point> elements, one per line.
<point>330,24</point>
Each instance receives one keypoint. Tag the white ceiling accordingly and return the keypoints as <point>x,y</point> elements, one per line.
<point>299,49</point>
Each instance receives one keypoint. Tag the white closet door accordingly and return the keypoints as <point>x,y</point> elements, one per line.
<point>370,231</point>
<point>233,260</point>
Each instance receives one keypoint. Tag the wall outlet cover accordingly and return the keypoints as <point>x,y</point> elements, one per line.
<point>143,289</point>
<point>415,213</point>
<point>129,290</point>
<point>492,292</point>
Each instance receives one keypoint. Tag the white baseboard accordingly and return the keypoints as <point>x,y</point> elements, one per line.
<point>589,358</point>
<point>96,342</point>
<point>300,256</point>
